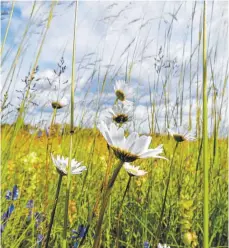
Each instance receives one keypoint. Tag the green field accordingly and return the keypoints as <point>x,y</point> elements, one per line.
<point>142,206</point>
<point>137,92</point>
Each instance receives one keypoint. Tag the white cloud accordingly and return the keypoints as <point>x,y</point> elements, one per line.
<point>114,33</point>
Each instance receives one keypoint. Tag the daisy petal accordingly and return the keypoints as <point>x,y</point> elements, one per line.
<point>141,145</point>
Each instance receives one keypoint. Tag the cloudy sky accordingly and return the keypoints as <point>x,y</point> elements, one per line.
<point>152,44</point>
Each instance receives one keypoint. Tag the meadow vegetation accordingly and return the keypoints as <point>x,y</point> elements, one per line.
<point>164,206</point>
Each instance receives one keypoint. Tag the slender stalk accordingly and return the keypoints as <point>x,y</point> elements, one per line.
<point>16,59</point>
<point>90,218</point>
<point>205,132</point>
<point>54,2</point>
<point>120,213</point>
<point>20,118</point>
<point>166,191</point>
<point>72,132</point>
<point>104,205</point>
<point>48,151</point>
<point>67,197</point>
<point>8,26</point>
<point>197,85</point>
<point>54,210</point>
<point>103,186</point>
<point>198,162</point>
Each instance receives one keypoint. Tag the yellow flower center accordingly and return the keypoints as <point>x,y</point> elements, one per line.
<point>123,155</point>
<point>56,105</point>
<point>120,118</point>
<point>179,138</point>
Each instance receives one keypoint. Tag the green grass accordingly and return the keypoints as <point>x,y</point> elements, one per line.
<point>167,205</point>
<point>142,205</point>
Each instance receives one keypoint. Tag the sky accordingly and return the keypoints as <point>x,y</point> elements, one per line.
<point>114,37</point>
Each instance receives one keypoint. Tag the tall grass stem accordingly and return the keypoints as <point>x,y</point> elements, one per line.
<point>120,213</point>
<point>54,210</point>
<point>8,27</point>
<point>205,132</point>
<point>166,191</point>
<point>104,205</point>
<point>71,132</point>
<point>19,50</point>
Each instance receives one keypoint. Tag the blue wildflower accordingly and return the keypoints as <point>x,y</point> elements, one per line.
<point>82,231</point>
<point>2,227</point>
<point>8,195</point>
<point>39,217</point>
<point>6,216</point>
<point>74,236</point>
<point>30,204</point>
<point>75,245</point>
<point>8,212</point>
<point>12,195</point>
<point>15,193</point>
<point>146,244</point>
<point>39,240</point>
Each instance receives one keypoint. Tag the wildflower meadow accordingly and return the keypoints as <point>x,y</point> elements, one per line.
<point>114,124</point>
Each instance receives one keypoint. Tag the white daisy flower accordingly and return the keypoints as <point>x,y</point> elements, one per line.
<point>120,113</point>
<point>134,170</point>
<point>131,148</point>
<point>180,134</point>
<point>162,246</point>
<point>60,103</point>
<point>61,164</point>
<point>122,91</point>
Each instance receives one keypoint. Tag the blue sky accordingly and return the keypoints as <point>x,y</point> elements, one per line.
<point>114,34</point>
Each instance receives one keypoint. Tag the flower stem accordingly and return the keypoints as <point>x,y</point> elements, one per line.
<point>104,204</point>
<point>116,101</point>
<point>205,132</point>
<point>67,197</point>
<point>53,119</point>
<point>120,213</point>
<point>48,151</point>
<point>166,192</point>
<point>54,210</point>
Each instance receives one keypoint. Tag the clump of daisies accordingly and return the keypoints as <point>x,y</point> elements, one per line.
<point>127,149</point>
<point>121,112</point>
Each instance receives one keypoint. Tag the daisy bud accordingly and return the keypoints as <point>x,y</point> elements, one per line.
<point>60,104</point>
<point>122,90</point>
